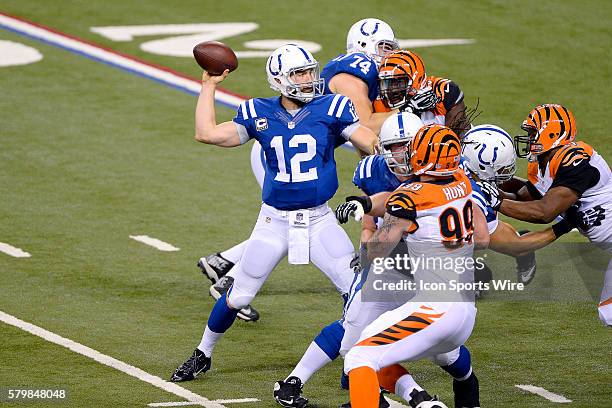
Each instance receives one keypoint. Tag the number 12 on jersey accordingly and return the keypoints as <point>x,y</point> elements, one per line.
<point>296,175</point>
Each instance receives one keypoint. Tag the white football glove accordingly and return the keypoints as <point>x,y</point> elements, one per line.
<point>424,100</point>
<point>351,208</point>
<point>355,206</point>
<point>491,194</point>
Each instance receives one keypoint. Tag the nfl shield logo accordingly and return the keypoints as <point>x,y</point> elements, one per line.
<point>291,125</point>
<point>299,216</point>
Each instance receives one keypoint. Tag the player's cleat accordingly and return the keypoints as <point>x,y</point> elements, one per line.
<point>288,393</point>
<point>525,266</point>
<point>196,364</point>
<point>421,399</point>
<point>215,266</point>
<point>382,402</point>
<point>467,392</point>
<point>247,313</point>
<point>344,381</point>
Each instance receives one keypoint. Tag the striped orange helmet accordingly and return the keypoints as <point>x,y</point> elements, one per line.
<point>547,126</point>
<point>435,150</point>
<point>400,77</point>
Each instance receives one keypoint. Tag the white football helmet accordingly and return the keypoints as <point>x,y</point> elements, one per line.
<point>373,37</point>
<point>284,63</point>
<point>398,128</point>
<point>488,152</point>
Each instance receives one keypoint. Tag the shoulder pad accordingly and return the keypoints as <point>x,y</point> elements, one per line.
<point>570,155</point>
<point>401,205</point>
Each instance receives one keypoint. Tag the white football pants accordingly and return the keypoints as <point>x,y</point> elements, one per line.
<point>413,331</point>
<point>330,249</point>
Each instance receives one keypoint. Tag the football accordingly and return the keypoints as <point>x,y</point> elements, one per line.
<point>215,57</point>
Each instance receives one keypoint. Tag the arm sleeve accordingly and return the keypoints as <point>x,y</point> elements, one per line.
<point>242,123</point>
<point>347,119</point>
<point>579,178</point>
<point>452,95</point>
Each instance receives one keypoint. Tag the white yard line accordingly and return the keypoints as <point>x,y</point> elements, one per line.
<point>13,251</point>
<point>186,403</point>
<point>110,361</point>
<point>551,396</point>
<point>155,243</point>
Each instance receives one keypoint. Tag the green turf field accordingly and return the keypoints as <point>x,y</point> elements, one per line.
<point>91,155</point>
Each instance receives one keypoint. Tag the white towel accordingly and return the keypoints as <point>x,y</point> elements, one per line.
<point>299,239</point>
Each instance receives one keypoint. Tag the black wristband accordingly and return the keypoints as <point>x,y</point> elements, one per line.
<point>365,201</point>
<point>562,227</point>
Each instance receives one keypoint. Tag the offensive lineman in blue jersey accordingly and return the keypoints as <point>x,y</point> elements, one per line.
<point>354,74</point>
<point>374,174</point>
<point>298,133</point>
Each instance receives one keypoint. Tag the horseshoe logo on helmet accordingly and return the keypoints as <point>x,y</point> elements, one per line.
<point>484,147</point>
<point>362,29</point>
<point>280,65</point>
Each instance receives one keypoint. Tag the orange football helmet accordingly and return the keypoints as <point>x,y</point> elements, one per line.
<point>435,150</point>
<point>400,76</point>
<point>547,126</point>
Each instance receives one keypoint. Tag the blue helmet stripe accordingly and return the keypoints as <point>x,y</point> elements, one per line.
<point>305,53</point>
<point>400,123</point>
<point>491,129</point>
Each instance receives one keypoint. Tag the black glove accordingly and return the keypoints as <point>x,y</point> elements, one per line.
<point>356,206</point>
<point>423,101</point>
<point>562,227</point>
<point>584,220</point>
<point>491,194</point>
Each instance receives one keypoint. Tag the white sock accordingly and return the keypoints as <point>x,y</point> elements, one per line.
<point>209,340</point>
<point>405,385</point>
<point>235,253</point>
<point>312,361</point>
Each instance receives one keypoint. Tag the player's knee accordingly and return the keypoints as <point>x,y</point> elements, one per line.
<point>239,300</point>
<point>446,359</point>
<point>329,339</point>
<point>356,357</point>
<point>605,314</point>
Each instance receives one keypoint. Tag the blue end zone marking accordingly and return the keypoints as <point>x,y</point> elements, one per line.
<point>123,68</point>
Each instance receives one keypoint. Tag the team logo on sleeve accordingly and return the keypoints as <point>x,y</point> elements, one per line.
<point>261,124</point>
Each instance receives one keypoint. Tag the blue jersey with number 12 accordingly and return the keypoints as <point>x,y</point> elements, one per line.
<point>356,64</point>
<point>300,170</point>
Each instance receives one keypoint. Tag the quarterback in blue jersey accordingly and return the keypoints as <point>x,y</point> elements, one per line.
<point>354,74</point>
<point>298,132</point>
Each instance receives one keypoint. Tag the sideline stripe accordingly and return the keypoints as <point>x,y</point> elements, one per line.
<point>544,393</point>
<point>13,251</point>
<point>109,361</point>
<point>113,58</point>
<point>155,243</point>
<point>157,73</point>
